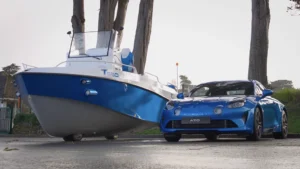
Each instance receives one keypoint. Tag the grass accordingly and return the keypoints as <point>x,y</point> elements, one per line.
<point>151,131</point>
<point>10,149</point>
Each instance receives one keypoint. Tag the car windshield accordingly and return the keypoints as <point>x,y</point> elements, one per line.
<point>223,89</point>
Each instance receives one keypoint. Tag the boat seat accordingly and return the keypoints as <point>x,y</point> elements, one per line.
<point>127,59</point>
<point>171,86</point>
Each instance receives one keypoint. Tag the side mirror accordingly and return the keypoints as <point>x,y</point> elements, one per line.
<point>180,96</point>
<point>267,92</point>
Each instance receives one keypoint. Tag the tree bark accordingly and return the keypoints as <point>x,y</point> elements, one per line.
<point>78,16</point>
<point>259,41</point>
<point>106,21</point>
<point>78,24</point>
<point>142,35</point>
<point>120,20</point>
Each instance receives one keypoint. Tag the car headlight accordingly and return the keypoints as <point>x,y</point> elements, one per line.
<point>177,111</point>
<point>236,104</point>
<point>170,105</point>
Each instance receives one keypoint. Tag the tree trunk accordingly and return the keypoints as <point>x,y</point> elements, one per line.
<point>106,22</point>
<point>142,35</point>
<point>78,24</point>
<point>120,20</point>
<point>259,41</point>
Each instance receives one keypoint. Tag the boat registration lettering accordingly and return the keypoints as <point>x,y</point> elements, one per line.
<point>113,74</point>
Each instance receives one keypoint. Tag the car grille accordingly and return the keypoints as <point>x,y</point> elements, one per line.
<point>176,124</point>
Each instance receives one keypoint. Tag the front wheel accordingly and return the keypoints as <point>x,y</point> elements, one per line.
<point>111,137</point>
<point>73,137</point>
<point>284,128</point>
<point>257,126</point>
<point>172,137</point>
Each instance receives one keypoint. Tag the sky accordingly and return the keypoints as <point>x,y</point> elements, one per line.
<point>210,39</point>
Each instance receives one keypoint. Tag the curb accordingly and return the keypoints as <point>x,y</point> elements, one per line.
<point>143,136</point>
<point>200,136</point>
<point>24,135</point>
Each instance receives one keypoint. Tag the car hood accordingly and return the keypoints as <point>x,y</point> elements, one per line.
<point>222,99</point>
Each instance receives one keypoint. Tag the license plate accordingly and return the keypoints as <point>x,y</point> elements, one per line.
<point>199,120</point>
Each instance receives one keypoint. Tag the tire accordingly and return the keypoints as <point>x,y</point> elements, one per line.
<point>211,137</point>
<point>73,137</point>
<point>172,137</point>
<point>284,128</point>
<point>111,137</point>
<point>257,126</point>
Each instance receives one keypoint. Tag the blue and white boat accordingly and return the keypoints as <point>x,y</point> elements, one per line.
<point>96,91</point>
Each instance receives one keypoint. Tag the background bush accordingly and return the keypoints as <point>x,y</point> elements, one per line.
<point>29,119</point>
<point>27,124</point>
<point>291,98</point>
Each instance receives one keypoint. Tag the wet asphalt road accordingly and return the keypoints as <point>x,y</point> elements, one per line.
<point>35,153</point>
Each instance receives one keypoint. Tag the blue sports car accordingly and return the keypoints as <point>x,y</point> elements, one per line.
<point>243,107</point>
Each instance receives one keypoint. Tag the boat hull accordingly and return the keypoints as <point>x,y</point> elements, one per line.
<point>63,108</point>
<point>62,117</point>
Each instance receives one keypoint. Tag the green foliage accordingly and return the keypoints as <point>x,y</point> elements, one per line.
<point>151,131</point>
<point>291,99</point>
<point>288,96</point>
<point>29,119</point>
<point>184,80</point>
<point>27,124</point>
<point>281,84</point>
<point>293,118</point>
<point>11,69</point>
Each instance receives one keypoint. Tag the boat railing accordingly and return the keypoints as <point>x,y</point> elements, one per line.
<point>154,76</point>
<point>119,64</point>
<point>26,66</point>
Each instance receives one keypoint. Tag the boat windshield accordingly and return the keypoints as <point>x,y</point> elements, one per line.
<point>223,89</point>
<point>90,44</point>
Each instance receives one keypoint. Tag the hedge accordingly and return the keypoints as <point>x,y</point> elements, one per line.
<point>28,123</point>
<point>291,99</point>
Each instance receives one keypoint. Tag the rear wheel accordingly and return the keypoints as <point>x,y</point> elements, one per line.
<point>73,137</point>
<point>257,126</point>
<point>211,136</point>
<point>111,137</point>
<point>172,137</point>
<point>284,128</point>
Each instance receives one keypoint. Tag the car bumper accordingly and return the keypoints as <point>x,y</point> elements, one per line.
<point>239,122</point>
<point>239,131</point>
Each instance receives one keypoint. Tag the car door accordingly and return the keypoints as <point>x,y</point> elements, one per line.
<point>267,105</point>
